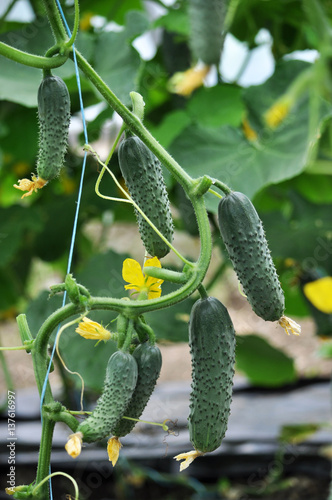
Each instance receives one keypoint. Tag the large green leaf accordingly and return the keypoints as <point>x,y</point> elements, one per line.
<point>216,106</point>
<point>116,60</point>
<point>263,364</point>
<point>249,166</point>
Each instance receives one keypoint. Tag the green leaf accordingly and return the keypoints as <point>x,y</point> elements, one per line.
<point>170,127</point>
<point>216,106</point>
<point>21,139</point>
<point>249,166</point>
<point>175,21</point>
<point>15,224</point>
<point>117,61</point>
<point>263,364</point>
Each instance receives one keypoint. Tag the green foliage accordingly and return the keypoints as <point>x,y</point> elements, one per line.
<point>263,364</point>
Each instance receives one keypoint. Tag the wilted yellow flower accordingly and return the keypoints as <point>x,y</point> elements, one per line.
<point>14,489</point>
<point>319,292</point>
<point>30,186</point>
<point>186,82</point>
<point>113,449</point>
<point>289,325</point>
<point>132,273</point>
<point>74,444</point>
<point>249,132</point>
<point>92,330</point>
<point>278,112</point>
<point>188,458</point>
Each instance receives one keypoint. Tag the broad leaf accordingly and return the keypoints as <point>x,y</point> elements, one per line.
<point>249,166</point>
<point>263,364</point>
<point>116,61</point>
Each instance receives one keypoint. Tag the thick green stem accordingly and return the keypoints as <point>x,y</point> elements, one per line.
<point>55,20</point>
<point>135,124</point>
<point>30,59</point>
<point>45,456</point>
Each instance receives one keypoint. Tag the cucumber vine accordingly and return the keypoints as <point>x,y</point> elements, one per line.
<point>131,327</point>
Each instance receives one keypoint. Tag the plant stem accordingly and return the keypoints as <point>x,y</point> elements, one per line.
<point>134,123</point>
<point>76,26</point>
<point>9,8</point>
<point>55,20</point>
<point>30,59</point>
<point>45,456</point>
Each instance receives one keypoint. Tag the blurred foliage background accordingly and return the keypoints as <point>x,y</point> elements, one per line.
<point>220,129</point>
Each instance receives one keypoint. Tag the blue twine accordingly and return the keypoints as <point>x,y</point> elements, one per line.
<point>73,237</point>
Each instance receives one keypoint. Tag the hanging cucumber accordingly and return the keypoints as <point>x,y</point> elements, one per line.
<point>206,19</point>
<point>143,176</point>
<point>54,119</point>
<point>244,238</point>
<point>120,382</point>
<point>212,347</point>
<point>148,359</point>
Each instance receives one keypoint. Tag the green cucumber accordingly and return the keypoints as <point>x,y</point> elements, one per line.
<point>54,119</point>
<point>244,238</point>
<point>143,176</point>
<point>206,19</point>
<point>212,347</point>
<point>120,382</point>
<point>148,358</point>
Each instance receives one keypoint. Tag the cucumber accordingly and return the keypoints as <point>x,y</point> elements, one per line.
<point>54,120</point>
<point>143,176</point>
<point>206,19</point>
<point>148,359</point>
<point>244,238</point>
<point>212,347</point>
<point>120,382</point>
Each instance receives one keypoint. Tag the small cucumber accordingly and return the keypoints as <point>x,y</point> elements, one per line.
<point>206,34</point>
<point>54,119</point>
<point>244,238</point>
<point>148,358</point>
<point>212,347</point>
<point>143,176</point>
<point>120,382</point>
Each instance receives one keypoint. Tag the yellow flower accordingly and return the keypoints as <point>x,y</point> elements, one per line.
<point>319,293</point>
<point>188,81</point>
<point>249,132</point>
<point>278,112</point>
<point>188,458</point>
<point>74,444</point>
<point>113,449</point>
<point>30,186</point>
<point>92,330</point>
<point>132,273</point>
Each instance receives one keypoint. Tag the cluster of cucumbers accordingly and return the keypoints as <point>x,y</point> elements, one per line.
<point>131,376</point>
<point>129,383</point>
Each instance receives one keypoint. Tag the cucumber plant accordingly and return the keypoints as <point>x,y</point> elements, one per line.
<point>133,370</point>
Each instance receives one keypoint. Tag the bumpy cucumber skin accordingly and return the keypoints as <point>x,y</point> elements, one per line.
<point>244,237</point>
<point>120,382</point>
<point>148,358</point>
<point>54,120</point>
<point>206,37</point>
<point>143,176</point>
<point>212,347</point>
